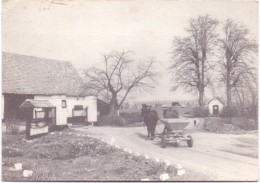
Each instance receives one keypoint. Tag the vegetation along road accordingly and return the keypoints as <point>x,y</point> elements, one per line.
<point>218,157</point>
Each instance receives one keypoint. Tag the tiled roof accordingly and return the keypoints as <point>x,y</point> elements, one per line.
<point>33,75</point>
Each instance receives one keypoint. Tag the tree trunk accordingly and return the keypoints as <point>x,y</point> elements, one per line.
<point>229,99</point>
<point>201,81</point>
<point>201,98</point>
<point>228,88</point>
<point>114,107</point>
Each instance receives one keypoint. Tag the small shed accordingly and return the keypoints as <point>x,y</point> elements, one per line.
<point>40,116</point>
<point>215,106</point>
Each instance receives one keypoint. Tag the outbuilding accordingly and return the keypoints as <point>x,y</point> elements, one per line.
<point>55,82</point>
<point>40,117</point>
<point>215,106</point>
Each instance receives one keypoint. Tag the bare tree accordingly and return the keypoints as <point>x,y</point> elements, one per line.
<point>238,56</point>
<point>191,62</point>
<point>245,95</point>
<point>118,76</point>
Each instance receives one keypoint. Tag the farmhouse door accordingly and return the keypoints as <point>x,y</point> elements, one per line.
<point>215,110</point>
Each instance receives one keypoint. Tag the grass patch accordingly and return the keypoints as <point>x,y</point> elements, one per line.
<point>72,157</point>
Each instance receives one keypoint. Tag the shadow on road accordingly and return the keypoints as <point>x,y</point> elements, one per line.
<point>157,141</point>
<point>142,136</point>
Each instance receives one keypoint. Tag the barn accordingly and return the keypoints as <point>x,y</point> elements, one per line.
<point>40,79</point>
<point>215,106</point>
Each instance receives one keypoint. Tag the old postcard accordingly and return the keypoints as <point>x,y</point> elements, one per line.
<point>137,90</point>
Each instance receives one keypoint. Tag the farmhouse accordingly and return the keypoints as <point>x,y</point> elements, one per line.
<point>215,106</point>
<point>53,82</point>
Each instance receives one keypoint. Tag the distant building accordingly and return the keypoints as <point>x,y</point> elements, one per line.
<point>215,106</point>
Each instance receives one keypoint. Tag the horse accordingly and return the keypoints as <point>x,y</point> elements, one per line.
<point>150,118</point>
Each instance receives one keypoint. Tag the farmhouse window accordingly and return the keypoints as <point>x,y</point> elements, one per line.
<point>78,107</point>
<point>64,103</point>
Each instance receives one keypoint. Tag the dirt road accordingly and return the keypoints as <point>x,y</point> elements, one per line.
<point>214,157</point>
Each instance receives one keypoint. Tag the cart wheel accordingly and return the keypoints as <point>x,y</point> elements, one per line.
<point>190,141</point>
<point>163,141</point>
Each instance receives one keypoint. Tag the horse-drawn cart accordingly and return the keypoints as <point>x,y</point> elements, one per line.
<point>173,133</point>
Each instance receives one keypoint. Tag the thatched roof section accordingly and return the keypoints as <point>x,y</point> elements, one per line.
<point>33,75</point>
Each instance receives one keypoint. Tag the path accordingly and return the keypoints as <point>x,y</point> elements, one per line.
<point>214,157</point>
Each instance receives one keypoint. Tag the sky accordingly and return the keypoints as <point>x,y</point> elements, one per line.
<point>80,31</point>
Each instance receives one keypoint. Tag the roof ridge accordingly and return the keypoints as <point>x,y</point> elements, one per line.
<point>37,57</point>
<point>218,98</point>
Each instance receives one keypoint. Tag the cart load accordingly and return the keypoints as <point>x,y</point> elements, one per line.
<point>173,133</point>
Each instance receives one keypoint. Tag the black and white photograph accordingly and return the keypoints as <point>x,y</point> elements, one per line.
<point>129,90</point>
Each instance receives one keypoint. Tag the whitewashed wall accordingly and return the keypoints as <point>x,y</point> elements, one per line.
<point>89,102</point>
<point>71,101</point>
<point>61,113</point>
<point>215,102</point>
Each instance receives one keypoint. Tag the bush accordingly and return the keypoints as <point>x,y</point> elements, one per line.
<point>234,111</point>
<point>131,117</point>
<point>223,125</point>
<point>11,152</point>
<point>241,122</point>
<point>58,128</point>
<point>62,149</point>
<point>111,121</point>
<point>200,111</point>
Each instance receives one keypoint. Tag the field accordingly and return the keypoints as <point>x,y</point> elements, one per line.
<point>73,156</point>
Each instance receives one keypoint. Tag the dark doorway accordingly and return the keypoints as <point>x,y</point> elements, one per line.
<point>12,103</point>
<point>215,110</point>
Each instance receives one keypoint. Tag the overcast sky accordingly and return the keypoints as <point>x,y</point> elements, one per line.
<point>82,30</point>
